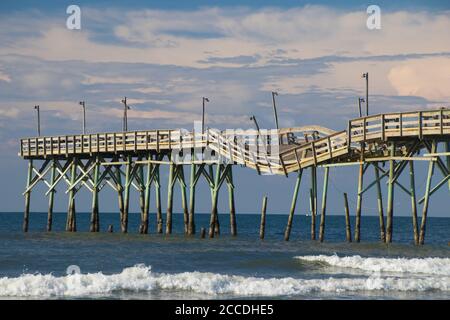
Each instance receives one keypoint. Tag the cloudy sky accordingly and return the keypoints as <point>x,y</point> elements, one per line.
<point>164,56</point>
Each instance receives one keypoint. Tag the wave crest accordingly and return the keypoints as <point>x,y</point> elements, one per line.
<point>140,278</point>
<point>432,266</point>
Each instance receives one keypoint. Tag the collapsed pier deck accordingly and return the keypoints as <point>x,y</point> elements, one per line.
<point>96,160</point>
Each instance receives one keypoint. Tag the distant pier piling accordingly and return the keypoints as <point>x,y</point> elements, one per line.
<point>262,227</point>
<point>348,228</point>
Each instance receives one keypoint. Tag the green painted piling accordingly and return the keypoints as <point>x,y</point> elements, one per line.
<point>324,205</point>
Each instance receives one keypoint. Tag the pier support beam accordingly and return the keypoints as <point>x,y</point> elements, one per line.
<point>447,150</point>
<point>159,219</point>
<point>287,232</point>
<point>380,204</point>
<point>223,172</point>
<point>262,227</point>
<point>128,177</point>
<point>324,204</point>
<point>94,227</point>
<point>359,203</point>
<point>214,198</point>
<point>26,214</point>
<point>427,197</point>
<point>230,185</point>
<point>313,201</point>
<point>71,225</point>
<point>182,183</point>
<point>170,184</point>
<point>120,188</point>
<point>148,184</point>
<point>192,184</point>
<point>51,197</point>
<point>140,175</point>
<point>348,227</point>
<point>390,206</point>
<point>413,202</point>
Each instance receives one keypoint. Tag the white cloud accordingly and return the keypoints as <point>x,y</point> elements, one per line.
<point>4,77</point>
<point>185,38</point>
<point>428,78</point>
<point>92,79</point>
<point>9,112</point>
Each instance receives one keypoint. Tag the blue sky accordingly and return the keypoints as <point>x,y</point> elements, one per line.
<point>166,55</point>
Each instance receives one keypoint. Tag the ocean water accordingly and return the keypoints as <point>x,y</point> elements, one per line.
<point>41,265</point>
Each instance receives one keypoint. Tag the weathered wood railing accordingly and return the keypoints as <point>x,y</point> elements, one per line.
<point>376,127</point>
<point>250,147</point>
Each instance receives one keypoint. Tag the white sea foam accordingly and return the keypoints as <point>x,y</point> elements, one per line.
<point>140,278</point>
<point>432,266</point>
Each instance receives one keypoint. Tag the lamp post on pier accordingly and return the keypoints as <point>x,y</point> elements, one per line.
<point>83,105</point>
<point>366,76</point>
<point>38,120</point>
<point>359,105</point>
<point>125,114</point>
<point>275,114</point>
<point>203,114</point>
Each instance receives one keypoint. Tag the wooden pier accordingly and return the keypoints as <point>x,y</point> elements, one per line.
<point>133,160</point>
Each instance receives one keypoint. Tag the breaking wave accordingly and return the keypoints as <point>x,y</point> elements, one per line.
<point>431,266</point>
<point>140,278</point>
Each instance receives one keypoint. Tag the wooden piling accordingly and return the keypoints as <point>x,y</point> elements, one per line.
<point>427,197</point>
<point>142,189</point>
<point>348,227</point>
<point>71,215</point>
<point>184,205</point>
<point>313,201</point>
<point>26,215</point>
<point>311,205</point>
<point>148,183</point>
<point>233,226</point>
<point>128,181</point>
<point>170,199</point>
<point>214,197</point>
<point>390,206</point>
<point>262,226</point>
<point>94,214</point>
<point>192,184</point>
<point>202,233</point>
<point>380,204</point>
<point>51,198</point>
<point>287,232</point>
<point>447,150</point>
<point>159,220</point>
<point>359,202</point>
<point>120,189</point>
<point>413,202</point>
<point>324,204</point>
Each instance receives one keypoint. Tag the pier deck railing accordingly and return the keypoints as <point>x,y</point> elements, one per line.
<point>249,147</point>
